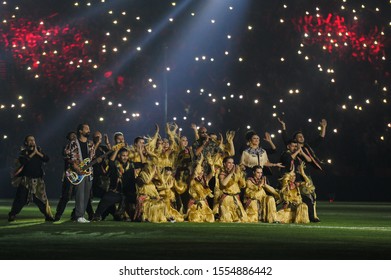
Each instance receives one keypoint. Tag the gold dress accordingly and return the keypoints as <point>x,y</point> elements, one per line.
<point>260,207</point>
<point>164,158</point>
<point>160,156</point>
<point>307,189</point>
<point>167,191</point>
<point>294,210</point>
<point>182,166</point>
<point>230,206</point>
<point>150,206</point>
<point>198,209</point>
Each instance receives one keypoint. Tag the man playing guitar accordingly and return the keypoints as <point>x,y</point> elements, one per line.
<point>79,153</point>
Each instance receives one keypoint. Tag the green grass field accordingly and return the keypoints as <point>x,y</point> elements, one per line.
<point>347,231</point>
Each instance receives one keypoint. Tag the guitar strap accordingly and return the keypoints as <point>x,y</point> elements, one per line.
<point>79,149</point>
<point>81,154</point>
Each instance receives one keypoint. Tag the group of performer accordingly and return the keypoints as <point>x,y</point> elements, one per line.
<point>167,180</point>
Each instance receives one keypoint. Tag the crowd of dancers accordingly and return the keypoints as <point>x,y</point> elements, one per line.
<point>167,180</point>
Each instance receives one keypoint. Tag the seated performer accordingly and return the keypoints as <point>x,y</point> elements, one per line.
<point>167,189</point>
<point>307,155</point>
<point>227,149</point>
<point>150,206</point>
<point>260,198</point>
<point>231,180</point>
<point>294,209</point>
<point>198,210</point>
<point>308,195</point>
<point>122,184</point>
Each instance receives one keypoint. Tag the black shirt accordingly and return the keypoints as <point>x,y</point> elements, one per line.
<point>84,149</point>
<point>32,167</point>
<point>99,167</point>
<point>128,183</point>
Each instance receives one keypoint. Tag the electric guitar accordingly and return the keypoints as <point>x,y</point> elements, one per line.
<point>85,166</point>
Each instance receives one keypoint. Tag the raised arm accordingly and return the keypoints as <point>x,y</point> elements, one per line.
<point>151,145</point>
<point>323,125</point>
<point>194,127</point>
<point>171,132</point>
<point>230,148</point>
<point>268,139</point>
<point>210,161</point>
<point>107,142</point>
<point>283,125</point>
<point>284,133</point>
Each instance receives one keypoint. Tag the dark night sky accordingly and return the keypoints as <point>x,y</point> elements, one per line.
<point>268,44</point>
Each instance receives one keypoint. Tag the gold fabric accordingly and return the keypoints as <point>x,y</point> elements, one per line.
<point>153,207</point>
<point>230,206</point>
<point>37,188</point>
<point>294,211</point>
<point>231,209</point>
<point>154,211</point>
<point>298,214</point>
<point>167,192</point>
<point>260,207</point>
<point>199,210</point>
<point>307,189</point>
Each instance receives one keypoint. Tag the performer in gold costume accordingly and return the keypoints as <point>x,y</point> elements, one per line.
<point>231,179</point>
<point>150,206</point>
<point>198,208</point>
<point>307,190</point>
<point>294,210</point>
<point>167,190</point>
<point>165,149</point>
<point>226,149</point>
<point>260,198</point>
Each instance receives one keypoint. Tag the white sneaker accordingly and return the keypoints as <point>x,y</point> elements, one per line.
<point>82,220</point>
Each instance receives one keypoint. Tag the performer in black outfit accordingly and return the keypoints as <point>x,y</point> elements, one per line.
<point>122,188</point>
<point>29,180</point>
<point>292,158</point>
<point>307,154</point>
<point>101,182</point>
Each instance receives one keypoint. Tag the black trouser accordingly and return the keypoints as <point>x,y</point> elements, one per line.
<point>211,184</point>
<point>111,210</point>
<point>108,201</point>
<point>66,195</point>
<point>310,201</point>
<point>182,200</point>
<point>100,185</point>
<point>130,205</point>
<point>21,199</point>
